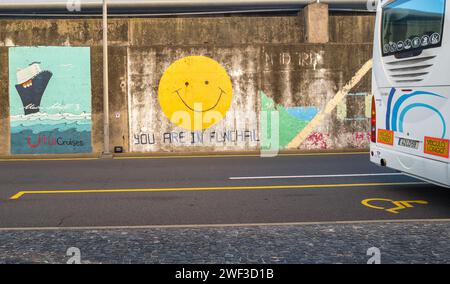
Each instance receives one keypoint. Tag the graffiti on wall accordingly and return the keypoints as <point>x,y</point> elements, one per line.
<point>197,101</point>
<point>325,140</point>
<point>287,59</point>
<point>195,98</point>
<point>290,121</point>
<point>293,120</point>
<point>301,132</point>
<point>50,100</point>
<point>330,106</point>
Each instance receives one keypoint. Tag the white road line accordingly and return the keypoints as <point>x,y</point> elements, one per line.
<point>315,176</point>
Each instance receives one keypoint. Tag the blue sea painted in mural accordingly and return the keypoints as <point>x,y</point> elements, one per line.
<point>303,113</point>
<point>50,100</point>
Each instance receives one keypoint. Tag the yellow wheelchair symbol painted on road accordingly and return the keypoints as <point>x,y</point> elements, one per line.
<point>397,205</point>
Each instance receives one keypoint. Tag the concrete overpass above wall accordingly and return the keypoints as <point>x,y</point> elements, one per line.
<point>275,63</point>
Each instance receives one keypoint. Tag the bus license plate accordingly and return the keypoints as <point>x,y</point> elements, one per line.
<point>413,144</point>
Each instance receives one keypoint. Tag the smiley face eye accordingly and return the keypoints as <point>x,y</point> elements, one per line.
<point>186,84</point>
<point>206,82</point>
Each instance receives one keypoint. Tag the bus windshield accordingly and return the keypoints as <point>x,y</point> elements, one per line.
<point>410,25</point>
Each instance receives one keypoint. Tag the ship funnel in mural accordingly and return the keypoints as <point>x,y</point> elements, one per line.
<point>31,85</point>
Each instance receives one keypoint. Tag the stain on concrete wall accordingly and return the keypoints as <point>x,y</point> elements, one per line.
<point>97,98</point>
<point>56,32</point>
<point>50,100</point>
<point>217,31</point>
<point>347,27</point>
<point>118,98</point>
<point>4,105</point>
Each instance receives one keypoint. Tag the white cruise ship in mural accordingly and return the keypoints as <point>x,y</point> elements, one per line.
<point>31,85</point>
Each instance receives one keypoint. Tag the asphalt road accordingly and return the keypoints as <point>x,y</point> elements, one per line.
<point>211,191</point>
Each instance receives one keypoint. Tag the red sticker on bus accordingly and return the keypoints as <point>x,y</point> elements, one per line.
<point>385,137</point>
<point>437,147</point>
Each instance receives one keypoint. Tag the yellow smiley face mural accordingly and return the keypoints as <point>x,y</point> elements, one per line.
<point>195,93</point>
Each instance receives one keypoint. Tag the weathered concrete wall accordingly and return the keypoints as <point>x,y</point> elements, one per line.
<point>4,105</point>
<point>351,27</point>
<point>55,32</point>
<point>270,66</point>
<point>97,99</point>
<point>217,31</point>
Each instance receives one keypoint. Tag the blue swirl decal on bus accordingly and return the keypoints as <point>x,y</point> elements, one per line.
<point>388,113</point>
<point>394,122</point>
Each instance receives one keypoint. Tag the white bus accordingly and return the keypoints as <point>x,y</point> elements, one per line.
<point>410,125</point>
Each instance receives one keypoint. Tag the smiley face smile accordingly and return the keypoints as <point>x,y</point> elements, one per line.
<point>222,92</point>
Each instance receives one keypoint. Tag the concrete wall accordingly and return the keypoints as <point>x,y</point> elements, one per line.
<point>271,68</point>
<point>4,105</point>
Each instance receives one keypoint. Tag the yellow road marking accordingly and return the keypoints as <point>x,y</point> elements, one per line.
<point>219,188</point>
<point>398,205</point>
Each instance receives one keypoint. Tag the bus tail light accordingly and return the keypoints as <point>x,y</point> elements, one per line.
<point>373,122</point>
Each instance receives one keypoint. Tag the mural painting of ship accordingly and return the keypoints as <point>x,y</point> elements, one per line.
<point>31,85</point>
